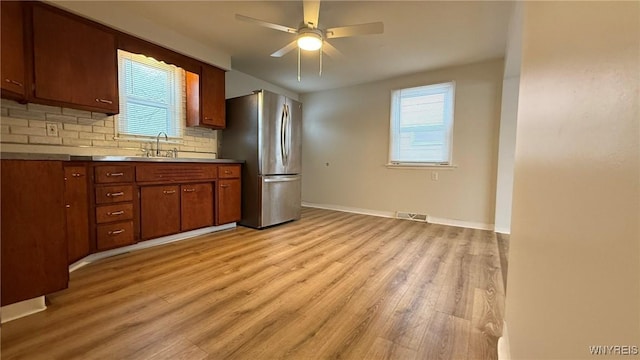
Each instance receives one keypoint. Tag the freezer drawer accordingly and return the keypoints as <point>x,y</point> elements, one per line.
<point>281,198</point>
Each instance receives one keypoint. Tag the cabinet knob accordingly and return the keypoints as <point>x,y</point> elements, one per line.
<point>169,192</point>
<point>115,174</point>
<point>115,213</point>
<point>120,193</point>
<point>104,101</point>
<point>224,186</point>
<point>115,232</point>
<point>77,175</point>
<point>189,190</point>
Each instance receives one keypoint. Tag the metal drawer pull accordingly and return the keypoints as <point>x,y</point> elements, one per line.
<point>120,193</point>
<point>224,185</point>
<point>115,232</point>
<point>77,175</point>
<point>169,192</point>
<point>13,82</point>
<point>227,172</point>
<point>104,101</point>
<point>115,213</point>
<point>115,174</point>
<point>189,190</point>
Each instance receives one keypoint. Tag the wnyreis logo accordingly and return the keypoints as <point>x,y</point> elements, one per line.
<point>613,350</point>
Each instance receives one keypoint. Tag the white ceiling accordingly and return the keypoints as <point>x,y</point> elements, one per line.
<point>418,36</point>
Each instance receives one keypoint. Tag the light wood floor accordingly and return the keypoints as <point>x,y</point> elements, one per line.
<point>331,285</point>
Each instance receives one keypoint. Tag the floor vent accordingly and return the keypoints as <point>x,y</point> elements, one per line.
<point>411,216</point>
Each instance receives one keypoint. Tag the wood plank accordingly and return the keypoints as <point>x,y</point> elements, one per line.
<point>331,285</point>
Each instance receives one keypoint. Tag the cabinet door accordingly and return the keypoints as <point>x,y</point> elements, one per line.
<point>76,198</point>
<point>197,206</point>
<point>159,211</point>
<point>229,209</point>
<point>12,49</point>
<point>213,100</point>
<point>75,61</point>
<point>34,246</point>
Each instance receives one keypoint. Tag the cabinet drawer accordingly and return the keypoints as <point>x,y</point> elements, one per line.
<point>229,171</point>
<point>111,213</point>
<point>114,174</point>
<point>174,172</point>
<point>113,194</point>
<point>115,235</point>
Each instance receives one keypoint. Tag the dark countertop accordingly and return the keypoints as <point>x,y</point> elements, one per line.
<point>154,159</point>
<point>67,157</point>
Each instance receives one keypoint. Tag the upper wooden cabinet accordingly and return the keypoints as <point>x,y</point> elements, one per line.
<point>53,57</point>
<point>74,60</point>
<point>12,50</point>
<point>213,101</point>
<point>206,98</point>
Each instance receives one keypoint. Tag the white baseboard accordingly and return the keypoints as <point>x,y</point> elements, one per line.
<point>22,309</point>
<point>459,223</point>
<point>502,230</point>
<point>386,214</point>
<point>147,244</point>
<point>392,214</point>
<point>504,352</point>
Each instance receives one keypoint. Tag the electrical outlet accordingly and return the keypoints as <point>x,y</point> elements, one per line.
<point>52,129</point>
<point>434,176</point>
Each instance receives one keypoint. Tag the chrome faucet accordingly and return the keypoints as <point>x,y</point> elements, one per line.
<point>166,138</point>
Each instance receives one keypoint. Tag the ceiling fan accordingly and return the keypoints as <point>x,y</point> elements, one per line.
<point>312,38</point>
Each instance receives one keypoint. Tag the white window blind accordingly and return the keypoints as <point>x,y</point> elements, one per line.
<point>422,125</point>
<point>151,97</point>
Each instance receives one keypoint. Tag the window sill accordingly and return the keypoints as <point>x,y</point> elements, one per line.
<point>420,166</point>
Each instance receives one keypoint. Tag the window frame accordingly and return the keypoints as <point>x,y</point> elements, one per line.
<point>394,120</point>
<point>177,93</point>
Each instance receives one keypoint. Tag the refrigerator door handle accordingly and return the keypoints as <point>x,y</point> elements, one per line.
<point>287,139</point>
<point>282,179</point>
<point>283,117</point>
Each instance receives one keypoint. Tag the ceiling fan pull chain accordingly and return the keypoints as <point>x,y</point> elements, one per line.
<point>321,50</point>
<point>298,64</point>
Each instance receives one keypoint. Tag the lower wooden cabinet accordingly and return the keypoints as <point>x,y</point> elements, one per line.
<point>76,202</point>
<point>34,245</point>
<point>159,211</point>
<point>229,201</point>
<point>196,208</point>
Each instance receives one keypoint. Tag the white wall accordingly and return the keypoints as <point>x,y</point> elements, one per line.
<point>346,141</point>
<point>508,121</point>
<point>574,262</point>
<point>506,154</point>
<point>238,84</point>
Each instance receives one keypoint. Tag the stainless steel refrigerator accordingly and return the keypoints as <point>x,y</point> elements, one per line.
<point>265,130</point>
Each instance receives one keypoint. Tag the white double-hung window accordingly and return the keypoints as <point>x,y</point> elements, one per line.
<point>422,125</point>
<point>151,97</point>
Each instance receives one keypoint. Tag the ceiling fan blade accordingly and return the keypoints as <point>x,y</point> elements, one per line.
<point>266,24</point>
<point>331,51</point>
<point>290,46</point>
<point>355,30</point>
<point>311,12</point>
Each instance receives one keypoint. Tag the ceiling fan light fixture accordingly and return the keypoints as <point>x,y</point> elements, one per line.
<point>310,41</point>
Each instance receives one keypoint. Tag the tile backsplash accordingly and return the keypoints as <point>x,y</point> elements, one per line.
<point>23,127</point>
